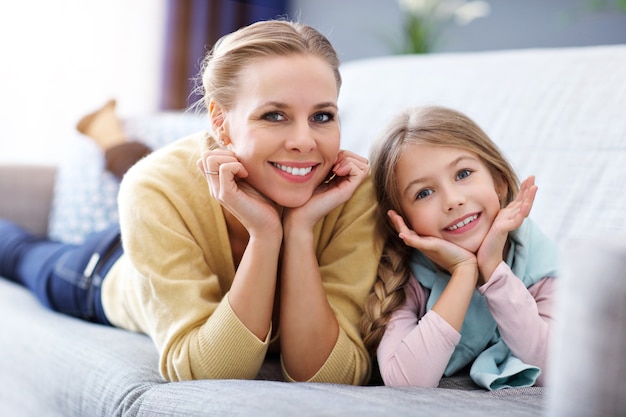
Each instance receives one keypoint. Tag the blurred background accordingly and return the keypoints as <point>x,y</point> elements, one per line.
<point>64,58</point>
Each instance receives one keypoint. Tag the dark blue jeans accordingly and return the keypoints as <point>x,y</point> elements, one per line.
<point>66,278</point>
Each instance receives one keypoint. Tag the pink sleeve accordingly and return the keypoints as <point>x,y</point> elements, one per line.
<point>416,347</point>
<point>524,316</point>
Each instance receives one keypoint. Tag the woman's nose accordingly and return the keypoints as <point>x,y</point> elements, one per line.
<point>301,138</point>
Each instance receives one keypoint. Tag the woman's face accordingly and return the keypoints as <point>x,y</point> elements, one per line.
<point>284,126</point>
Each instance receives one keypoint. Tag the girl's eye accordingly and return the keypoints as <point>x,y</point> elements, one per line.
<point>323,117</point>
<point>463,174</point>
<point>273,116</point>
<point>423,194</point>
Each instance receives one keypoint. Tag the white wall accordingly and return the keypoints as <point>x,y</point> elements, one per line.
<point>368,28</point>
<point>61,58</point>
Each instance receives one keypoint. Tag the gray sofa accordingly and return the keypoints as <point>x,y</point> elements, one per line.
<point>557,113</point>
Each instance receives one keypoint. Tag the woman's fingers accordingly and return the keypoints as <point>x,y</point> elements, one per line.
<point>350,164</point>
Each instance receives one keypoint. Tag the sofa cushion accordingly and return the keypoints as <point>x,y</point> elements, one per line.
<point>85,193</point>
<point>64,367</point>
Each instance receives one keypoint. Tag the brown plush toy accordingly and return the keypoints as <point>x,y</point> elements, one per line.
<point>104,126</point>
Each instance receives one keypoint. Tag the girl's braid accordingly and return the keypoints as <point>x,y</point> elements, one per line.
<point>388,293</point>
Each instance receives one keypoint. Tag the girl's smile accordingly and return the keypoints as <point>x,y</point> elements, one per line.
<point>464,224</point>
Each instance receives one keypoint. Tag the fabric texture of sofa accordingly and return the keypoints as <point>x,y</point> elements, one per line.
<point>556,113</point>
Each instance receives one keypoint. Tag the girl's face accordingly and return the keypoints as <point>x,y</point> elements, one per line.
<point>284,127</point>
<point>448,193</point>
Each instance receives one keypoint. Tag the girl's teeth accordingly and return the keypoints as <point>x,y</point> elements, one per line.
<point>463,222</point>
<point>294,171</point>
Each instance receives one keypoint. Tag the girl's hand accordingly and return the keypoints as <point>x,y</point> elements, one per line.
<point>445,254</point>
<point>225,176</point>
<point>491,251</point>
<point>461,264</point>
<point>347,174</point>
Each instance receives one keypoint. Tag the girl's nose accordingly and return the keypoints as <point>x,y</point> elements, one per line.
<point>453,199</point>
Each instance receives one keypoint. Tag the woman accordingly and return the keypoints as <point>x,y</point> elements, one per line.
<point>263,228</point>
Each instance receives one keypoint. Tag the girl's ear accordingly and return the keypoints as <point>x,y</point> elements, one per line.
<point>217,115</point>
<point>502,189</point>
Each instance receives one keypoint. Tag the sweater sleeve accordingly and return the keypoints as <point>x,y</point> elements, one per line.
<point>348,255</point>
<point>173,281</point>
<point>524,316</point>
<point>416,347</point>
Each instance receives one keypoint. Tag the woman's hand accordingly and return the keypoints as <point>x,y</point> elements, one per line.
<point>226,178</point>
<point>308,325</point>
<point>491,251</point>
<point>445,254</point>
<point>347,174</point>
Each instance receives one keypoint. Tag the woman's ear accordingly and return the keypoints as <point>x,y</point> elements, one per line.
<point>217,115</point>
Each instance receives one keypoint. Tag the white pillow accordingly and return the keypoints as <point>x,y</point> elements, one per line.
<point>85,194</point>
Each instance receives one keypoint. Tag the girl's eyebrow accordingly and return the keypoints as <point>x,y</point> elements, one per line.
<point>452,164</point>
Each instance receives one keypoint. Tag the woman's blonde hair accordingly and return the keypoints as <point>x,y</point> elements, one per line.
<point>431,125</point>
<point>272,38</point>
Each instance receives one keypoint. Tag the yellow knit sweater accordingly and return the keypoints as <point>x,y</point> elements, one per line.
<point>172,281</point>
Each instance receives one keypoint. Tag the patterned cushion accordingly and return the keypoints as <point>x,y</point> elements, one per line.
<point>85,194</point>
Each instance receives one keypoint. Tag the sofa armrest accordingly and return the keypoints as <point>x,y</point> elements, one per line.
<point>26,194</point>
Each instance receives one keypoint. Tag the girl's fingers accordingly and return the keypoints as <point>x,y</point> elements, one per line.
<point>529,200</point>
<point>398,222</point>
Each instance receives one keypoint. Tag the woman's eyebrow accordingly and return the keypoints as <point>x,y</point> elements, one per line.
<point>325,105</point>
<point>281,105</point>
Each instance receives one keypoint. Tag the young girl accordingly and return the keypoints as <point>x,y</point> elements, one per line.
<point>236,238</point>
<point>465,279</point>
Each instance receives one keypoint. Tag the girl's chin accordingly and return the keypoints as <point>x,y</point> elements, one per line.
<point>471,248</point>
<point>468,246</point>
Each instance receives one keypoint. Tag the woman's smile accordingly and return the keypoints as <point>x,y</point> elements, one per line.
<point>297,172</point>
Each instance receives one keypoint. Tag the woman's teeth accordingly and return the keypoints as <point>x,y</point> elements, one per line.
<point>462,223</point>
<point>294,171</point>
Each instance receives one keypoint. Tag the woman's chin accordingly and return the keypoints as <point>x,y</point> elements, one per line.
<point>292,202</point>
<point>292,198</point>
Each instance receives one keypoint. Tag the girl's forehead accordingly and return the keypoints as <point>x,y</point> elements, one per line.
<point>432,154</point>
<point>420,161</point>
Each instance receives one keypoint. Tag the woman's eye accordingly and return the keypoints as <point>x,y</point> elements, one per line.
<point>273,117</point>
<point>323,117</point>
<point>463,174</point>
<point>423,194</point>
